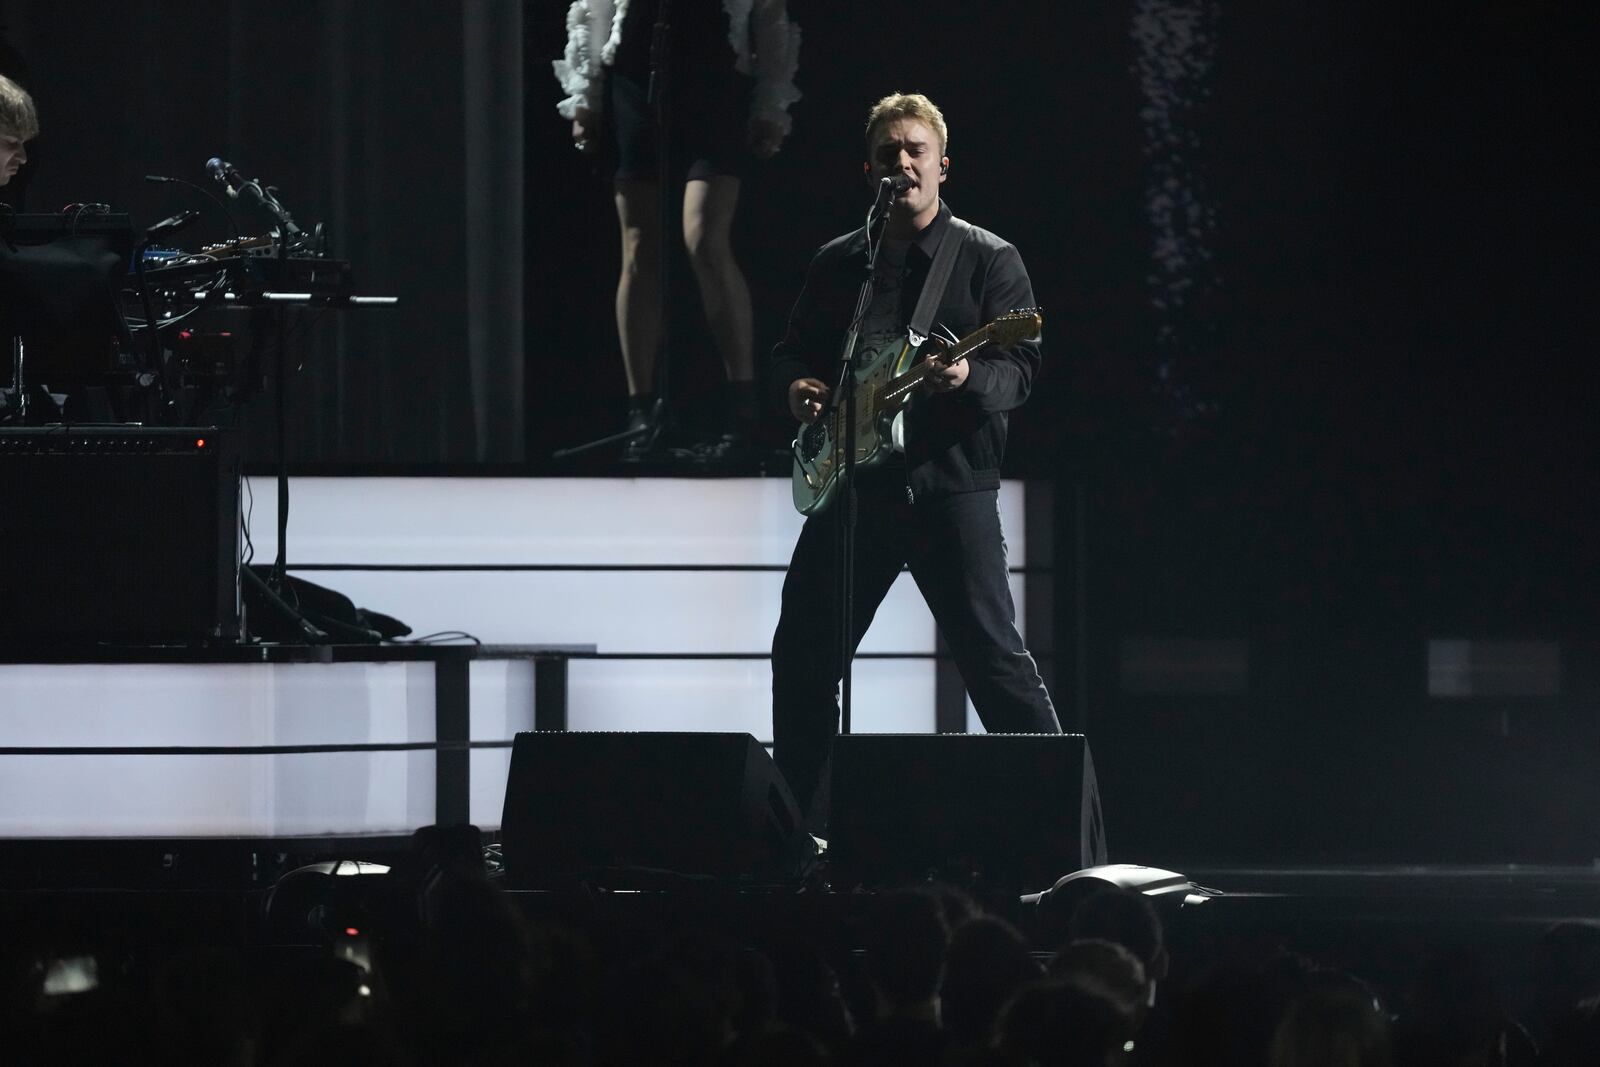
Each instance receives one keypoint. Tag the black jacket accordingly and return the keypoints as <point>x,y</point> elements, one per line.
<point>954,441</point>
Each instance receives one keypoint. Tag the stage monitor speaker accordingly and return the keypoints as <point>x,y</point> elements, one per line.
<point>615,806</point>
<point>118,534</point>
<point>1016,810</point>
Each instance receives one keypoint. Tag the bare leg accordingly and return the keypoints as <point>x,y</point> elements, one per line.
<point>639,287</point>
<point>708,206</point>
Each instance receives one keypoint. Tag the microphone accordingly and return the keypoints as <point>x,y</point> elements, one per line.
<point>225,173</point>
<point>209,195</point>
<point>171,225</point>
<point>896,184</point>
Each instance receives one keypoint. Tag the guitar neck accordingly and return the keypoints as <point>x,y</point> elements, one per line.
<point>902,383</point>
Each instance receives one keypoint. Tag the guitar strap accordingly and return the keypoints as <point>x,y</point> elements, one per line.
<point>944,261</point>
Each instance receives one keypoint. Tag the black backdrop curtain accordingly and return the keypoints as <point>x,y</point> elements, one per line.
<point>398,124</point>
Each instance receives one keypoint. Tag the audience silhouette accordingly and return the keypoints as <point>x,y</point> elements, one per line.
<point>456,973</point>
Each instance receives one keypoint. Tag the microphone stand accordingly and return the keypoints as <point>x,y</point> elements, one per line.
<point>276,587</point>
<point>844,397</point>
<point>285,234</point>
<point>280,565</point>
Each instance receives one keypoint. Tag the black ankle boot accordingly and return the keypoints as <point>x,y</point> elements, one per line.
<point>645,422</point>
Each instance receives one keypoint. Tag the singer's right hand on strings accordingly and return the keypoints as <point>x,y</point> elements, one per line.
<point>806,397</point>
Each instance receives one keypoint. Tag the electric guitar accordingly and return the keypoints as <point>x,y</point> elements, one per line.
<point>883,386</point>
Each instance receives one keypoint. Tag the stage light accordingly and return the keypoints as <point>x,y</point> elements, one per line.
<point>1165,888</point>
<point>1168,891</point>
<point>331,900</point>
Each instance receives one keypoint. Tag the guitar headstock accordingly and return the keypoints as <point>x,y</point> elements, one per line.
<point>1014,327</point>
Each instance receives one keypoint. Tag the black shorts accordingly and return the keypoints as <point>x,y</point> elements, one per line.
<point>709,119</point>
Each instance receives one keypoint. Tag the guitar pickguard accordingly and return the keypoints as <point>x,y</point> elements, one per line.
<point>819,447</point>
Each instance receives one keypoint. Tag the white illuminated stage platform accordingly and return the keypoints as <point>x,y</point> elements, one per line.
<point>675,583</point>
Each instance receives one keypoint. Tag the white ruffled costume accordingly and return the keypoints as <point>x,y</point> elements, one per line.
<point>772,60</point>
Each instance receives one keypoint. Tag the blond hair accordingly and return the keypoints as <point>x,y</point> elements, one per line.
<point>17,115</point>
<point>908,106</point>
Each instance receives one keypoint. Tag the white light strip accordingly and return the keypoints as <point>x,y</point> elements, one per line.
<point>605,521</point>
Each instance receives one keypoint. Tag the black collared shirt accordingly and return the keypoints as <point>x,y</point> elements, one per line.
<point>954,441</point>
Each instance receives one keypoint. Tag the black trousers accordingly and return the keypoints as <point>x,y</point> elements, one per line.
<point>957,555</point>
